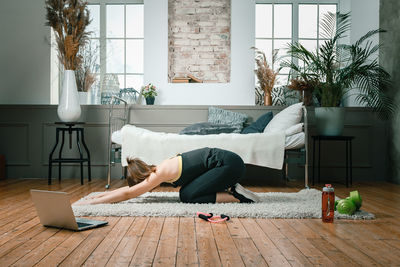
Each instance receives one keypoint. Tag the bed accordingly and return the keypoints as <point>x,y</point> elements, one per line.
<point>271,150</point>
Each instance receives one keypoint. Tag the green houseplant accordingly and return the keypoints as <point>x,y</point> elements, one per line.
<point>149,92</point>
<point>334,69</point>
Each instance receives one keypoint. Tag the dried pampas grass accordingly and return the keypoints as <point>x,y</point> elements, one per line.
<point>85,73</point>
<point>265,74</point>
<point>69,19</point>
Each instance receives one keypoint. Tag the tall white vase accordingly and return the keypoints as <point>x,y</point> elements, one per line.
<point>69,109</point>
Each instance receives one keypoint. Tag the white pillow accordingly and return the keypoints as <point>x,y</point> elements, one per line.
<point>285,119</point>
<point>116,137</point>
<point>295,141</point>
<point>297,128</point>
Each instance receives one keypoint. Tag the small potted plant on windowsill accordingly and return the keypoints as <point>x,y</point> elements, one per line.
<point>149,93</point>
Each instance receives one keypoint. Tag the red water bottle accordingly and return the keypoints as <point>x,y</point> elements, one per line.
<point>328,203</point>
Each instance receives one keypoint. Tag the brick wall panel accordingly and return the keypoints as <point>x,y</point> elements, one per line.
<point>199,39</point>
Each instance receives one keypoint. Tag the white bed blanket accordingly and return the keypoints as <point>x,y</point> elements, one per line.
<point>262,149</point>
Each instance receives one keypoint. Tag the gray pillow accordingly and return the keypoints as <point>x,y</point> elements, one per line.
<point>203,128</point>
<point>222,116</point>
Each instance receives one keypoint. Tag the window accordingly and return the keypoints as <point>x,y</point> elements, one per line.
<point>274,32</point>
<point>310,17</point>
<point>283,22</point>
<point>124,44</point>
<point>117,41</point>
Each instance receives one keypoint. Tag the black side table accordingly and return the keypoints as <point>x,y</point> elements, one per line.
<point>349,160</point>
<point>69,129</point>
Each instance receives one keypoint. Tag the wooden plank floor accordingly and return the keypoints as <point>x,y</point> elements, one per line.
<point>173,241</point>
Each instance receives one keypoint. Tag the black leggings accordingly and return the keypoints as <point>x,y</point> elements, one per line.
<point>207,171</point>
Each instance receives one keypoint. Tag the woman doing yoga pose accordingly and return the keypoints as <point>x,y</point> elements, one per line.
<point>203,174</point>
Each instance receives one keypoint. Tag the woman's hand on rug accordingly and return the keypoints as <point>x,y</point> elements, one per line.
<point>84,202</point>
<point>107,193</point>
<point>120,194</point>
<point>98,195</point>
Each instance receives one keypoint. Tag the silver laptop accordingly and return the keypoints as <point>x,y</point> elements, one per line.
<point>54,210</point>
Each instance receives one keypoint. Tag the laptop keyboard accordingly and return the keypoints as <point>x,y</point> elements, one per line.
<point>80,224</point>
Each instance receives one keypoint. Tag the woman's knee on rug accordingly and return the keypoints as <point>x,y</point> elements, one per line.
<point>188,196</point>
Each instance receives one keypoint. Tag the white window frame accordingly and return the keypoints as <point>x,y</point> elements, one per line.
<point>55,77</point>
<point>295,18</point>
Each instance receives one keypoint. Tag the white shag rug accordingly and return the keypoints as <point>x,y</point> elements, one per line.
<point>303,204</point>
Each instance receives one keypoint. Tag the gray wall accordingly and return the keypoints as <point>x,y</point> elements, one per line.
<point>27,135</point>
<point>24,53</point>
<point>390,59</point>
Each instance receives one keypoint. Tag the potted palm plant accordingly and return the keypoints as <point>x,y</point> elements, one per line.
<point>68,19</point>
<point>335,68</point>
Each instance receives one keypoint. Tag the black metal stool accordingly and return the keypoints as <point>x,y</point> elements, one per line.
<point>70,128</point>
<point>349,160</point>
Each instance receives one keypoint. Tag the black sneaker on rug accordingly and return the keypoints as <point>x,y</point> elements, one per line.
<point>244,195</point>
